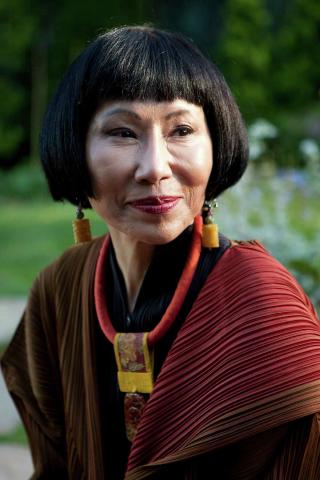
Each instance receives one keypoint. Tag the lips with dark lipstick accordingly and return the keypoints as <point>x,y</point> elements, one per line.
<point>155,205</point>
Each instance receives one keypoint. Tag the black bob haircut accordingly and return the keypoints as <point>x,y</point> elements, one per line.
<point>137,63</point>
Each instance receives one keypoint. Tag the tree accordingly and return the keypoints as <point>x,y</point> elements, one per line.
<point>295,55</point>
<point>38,40</point>
<point>17,28</point>
<point>244,53</point>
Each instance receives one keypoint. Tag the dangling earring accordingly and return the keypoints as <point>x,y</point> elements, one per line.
<point>210,233</point>
<point>81,227</point>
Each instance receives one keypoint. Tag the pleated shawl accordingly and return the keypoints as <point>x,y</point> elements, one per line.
<point>245,361</point>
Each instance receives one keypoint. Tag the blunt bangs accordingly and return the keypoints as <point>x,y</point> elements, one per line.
<point>137,63</point>
<point>144,64</point>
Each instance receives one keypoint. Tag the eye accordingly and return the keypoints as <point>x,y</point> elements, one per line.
<point>122,133</point>
<point>182,131</point>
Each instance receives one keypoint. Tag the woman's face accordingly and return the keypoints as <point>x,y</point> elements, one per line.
<point>150,163</point>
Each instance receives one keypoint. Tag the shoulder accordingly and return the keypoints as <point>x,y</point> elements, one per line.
<point>250,261</point>
<point>254,305</point>
<point>72,263</point>
<point>247,275</point>
<point>63,281</point>
<point>55,300</point>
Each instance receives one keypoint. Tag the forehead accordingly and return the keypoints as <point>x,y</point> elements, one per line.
<point>152,110</point>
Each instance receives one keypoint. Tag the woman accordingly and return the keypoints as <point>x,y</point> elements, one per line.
<point>144,129</point>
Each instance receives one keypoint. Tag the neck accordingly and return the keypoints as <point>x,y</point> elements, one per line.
<point>133,258</point>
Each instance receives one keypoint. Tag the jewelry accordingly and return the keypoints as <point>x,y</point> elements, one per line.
<point>133,351</point>
<point>135,376</point>
<point>81,227</point>
<point>210,233</point>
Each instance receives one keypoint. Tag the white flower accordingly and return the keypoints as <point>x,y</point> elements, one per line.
<point>309,149</point>
<point>256,149</point>
<point>261,129</point>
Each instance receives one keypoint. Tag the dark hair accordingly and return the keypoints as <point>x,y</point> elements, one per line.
<point>137,63</point>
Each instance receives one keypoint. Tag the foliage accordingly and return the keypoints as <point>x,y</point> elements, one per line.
<point>24,182</point>
<point>295,55</point>
<point>38,40</point>
<point>244,53</point>
<point>17,26</point>
<point>282,146</point>
<point>268,51</point>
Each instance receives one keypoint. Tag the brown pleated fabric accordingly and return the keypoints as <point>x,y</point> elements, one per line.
<point>237,397</point>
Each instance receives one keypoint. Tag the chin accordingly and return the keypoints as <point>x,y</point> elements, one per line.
<point>152,232</point>
<point>160,234</point>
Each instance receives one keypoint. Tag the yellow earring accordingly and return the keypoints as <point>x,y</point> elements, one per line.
<point>210,232</point>
<point>81,227</point>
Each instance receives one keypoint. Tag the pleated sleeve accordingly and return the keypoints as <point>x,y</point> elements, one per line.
<point>30,369</point>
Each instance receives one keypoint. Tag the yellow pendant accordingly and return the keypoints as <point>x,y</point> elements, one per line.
<point>210,235</point>
<point>81,230</point>
<point>134,362</point>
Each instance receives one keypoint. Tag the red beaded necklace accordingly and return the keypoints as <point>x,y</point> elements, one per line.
<point>133,351</point>
<point>172,310</point>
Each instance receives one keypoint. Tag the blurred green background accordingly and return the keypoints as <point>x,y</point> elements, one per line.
<point>269,53</point>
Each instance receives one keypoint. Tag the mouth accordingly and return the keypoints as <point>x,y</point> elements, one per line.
<point>156,204</point>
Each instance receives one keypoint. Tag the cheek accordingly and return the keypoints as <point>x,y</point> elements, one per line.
<point>199,169</point>
<point>106,172</point>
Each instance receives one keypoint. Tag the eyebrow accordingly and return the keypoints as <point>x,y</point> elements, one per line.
<point>120,110</point>
<point>178,113</point>
<point>135,115</point>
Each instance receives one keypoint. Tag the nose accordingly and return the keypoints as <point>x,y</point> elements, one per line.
<point>154,160</point>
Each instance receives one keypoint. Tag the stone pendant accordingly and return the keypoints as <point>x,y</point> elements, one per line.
<point>134,404</point>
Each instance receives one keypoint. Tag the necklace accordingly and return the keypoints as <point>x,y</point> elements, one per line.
<point>133,351</point>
